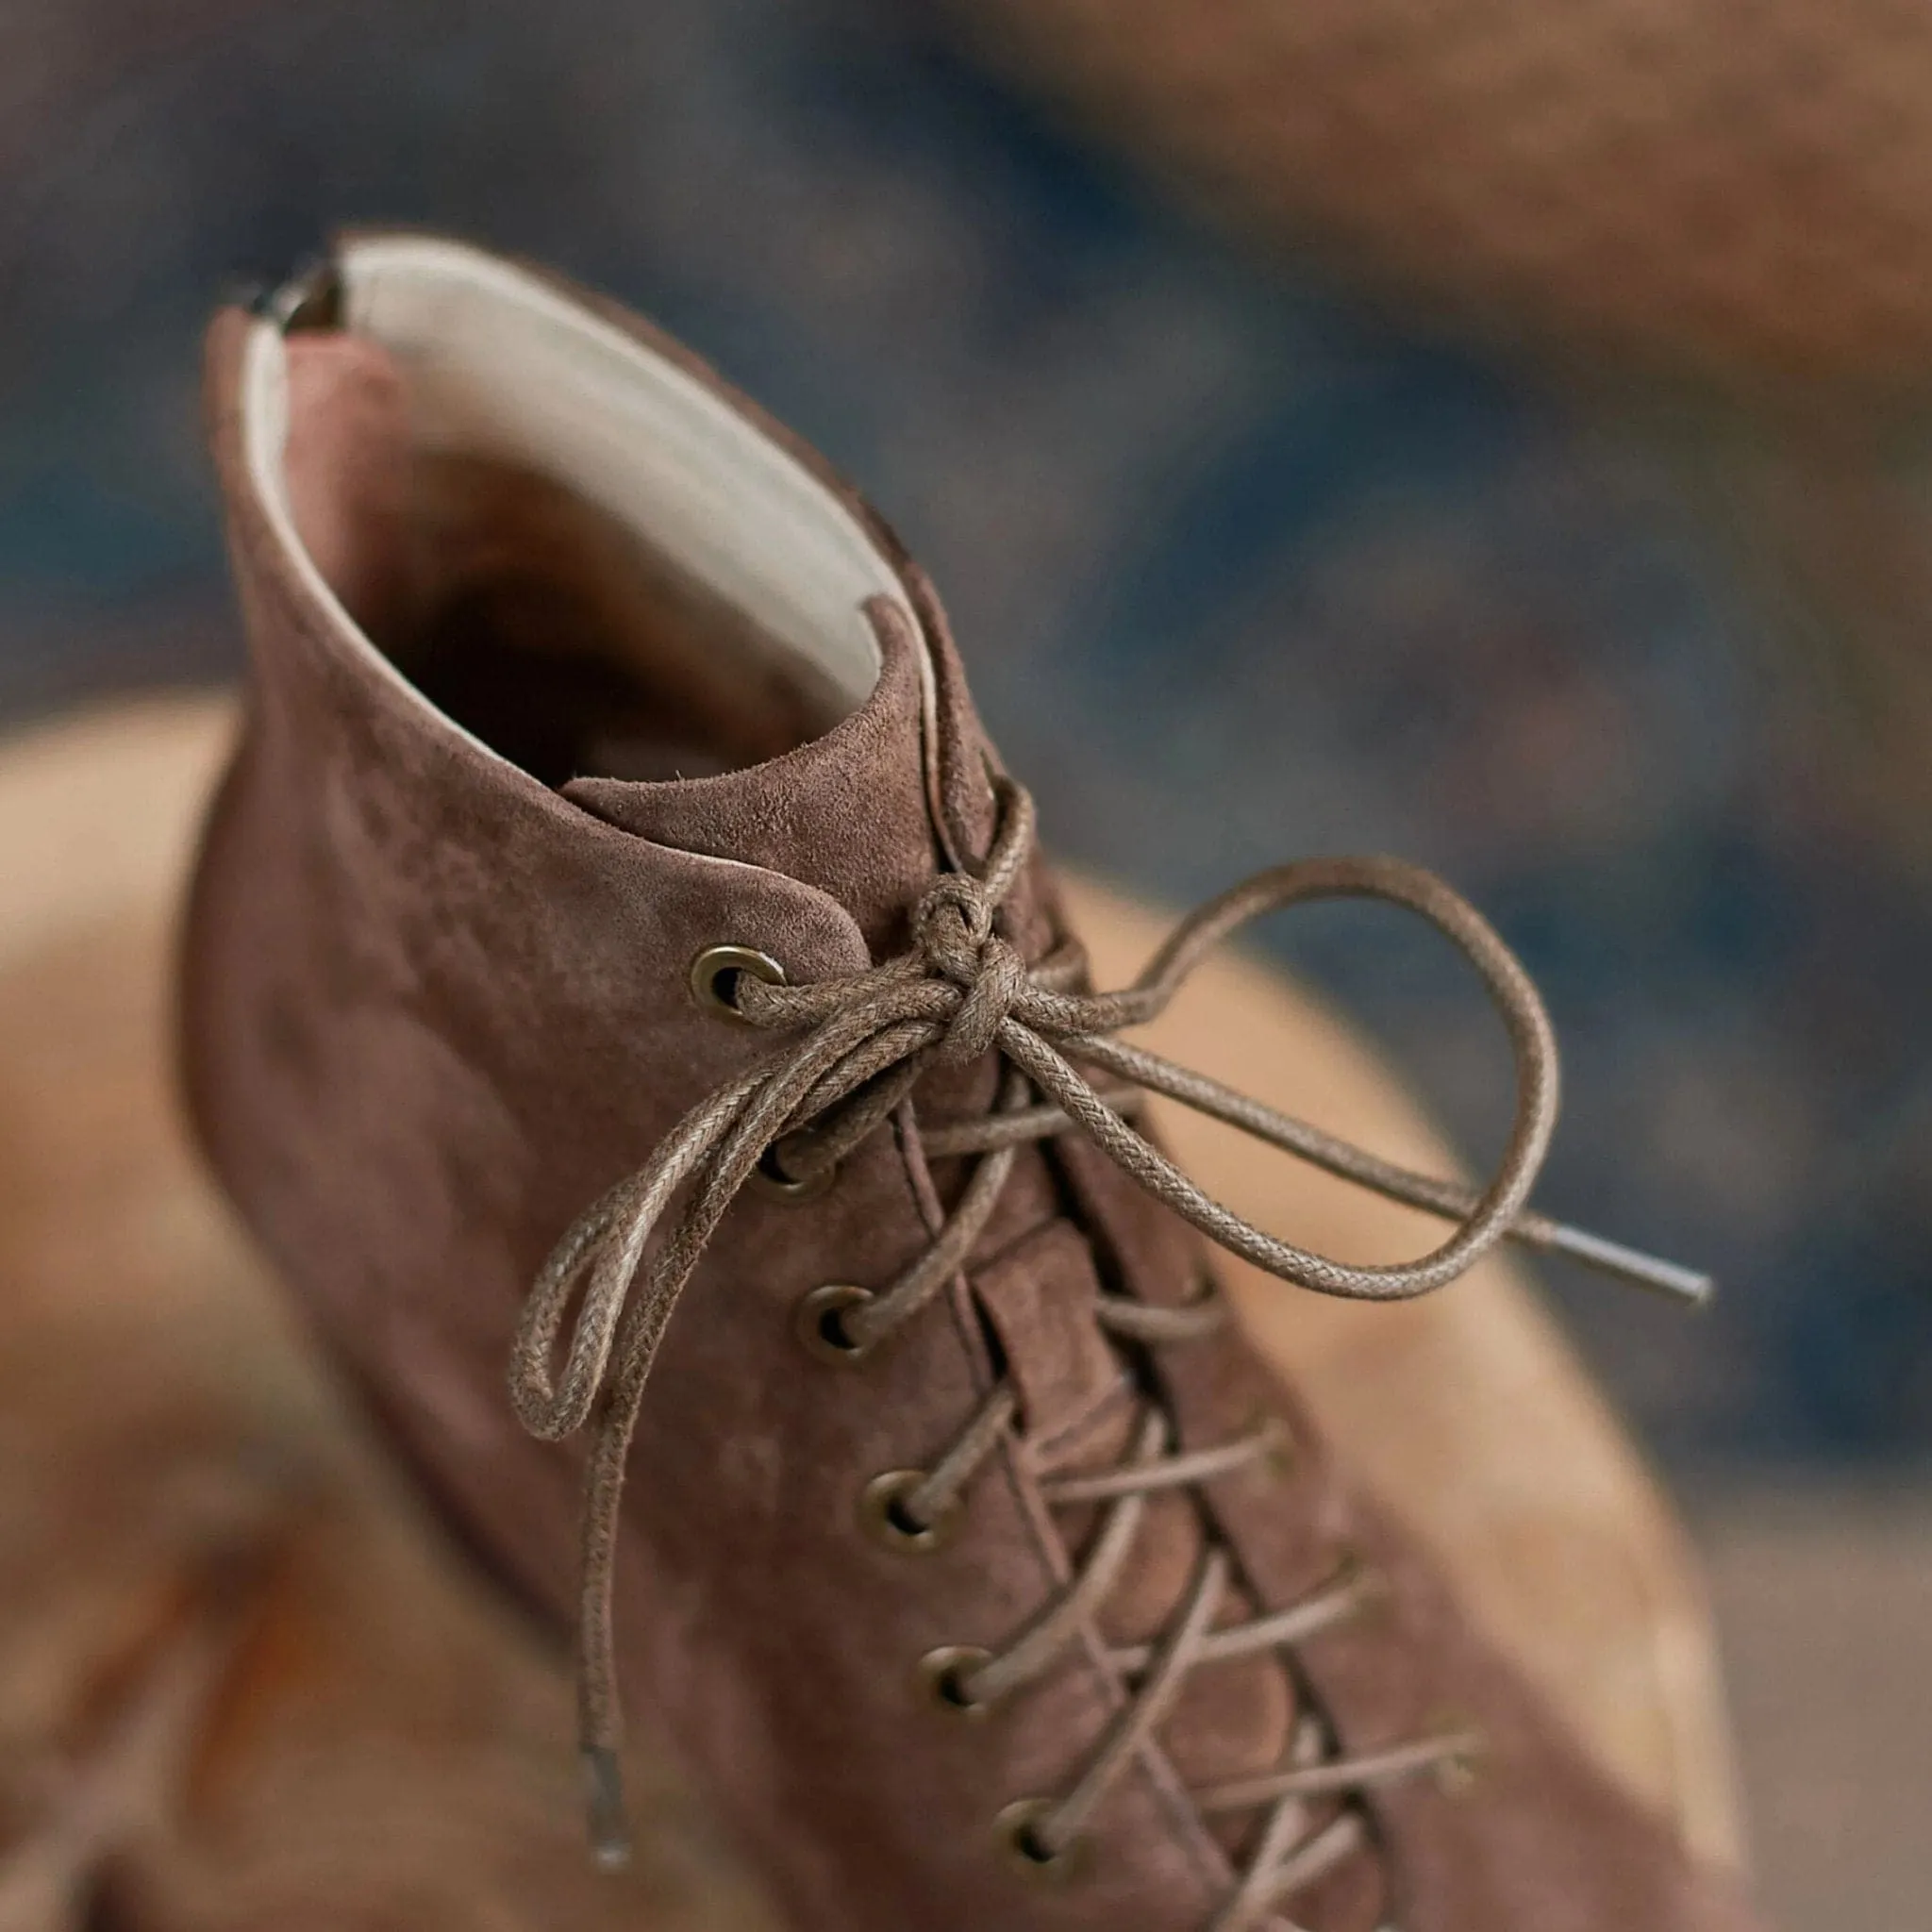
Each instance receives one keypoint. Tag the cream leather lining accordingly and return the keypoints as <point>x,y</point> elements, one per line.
<point>500,365</point>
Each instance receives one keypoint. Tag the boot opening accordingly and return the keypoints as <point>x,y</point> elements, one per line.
<point>567,543</point>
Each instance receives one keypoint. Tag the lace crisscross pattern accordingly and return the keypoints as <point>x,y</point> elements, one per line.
<point>858,1045</point>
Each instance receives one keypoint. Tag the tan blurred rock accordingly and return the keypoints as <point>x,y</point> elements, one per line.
<point>243,1680</point>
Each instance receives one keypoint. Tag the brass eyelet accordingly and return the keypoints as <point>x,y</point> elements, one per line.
<point>1374,1603</point>
<point>1017,1829</point>
<point>882,1512</point>
<point>818,1324</point>
<point>715,977</point>
<point>941,1671</point>
<point>1350,1567</point>
<point>1277,1461</point>
<point>769,1176</point>
<point>1458,1775</point>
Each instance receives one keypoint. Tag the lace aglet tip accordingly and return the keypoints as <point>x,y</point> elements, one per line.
<point>610,1828</point>
<point>1689,1287</point>
<point>1698,1292</point>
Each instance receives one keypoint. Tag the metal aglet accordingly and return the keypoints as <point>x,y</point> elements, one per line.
<point>1679,1284</point>
<point>604,1798</point>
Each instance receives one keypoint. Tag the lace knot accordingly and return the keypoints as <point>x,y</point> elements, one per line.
<point>953,930</point>
<point>961,993</point>
<point>953,925</point>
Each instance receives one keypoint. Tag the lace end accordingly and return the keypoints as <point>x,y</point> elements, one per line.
<point>604,1798</point>
<point>1685,1286</point>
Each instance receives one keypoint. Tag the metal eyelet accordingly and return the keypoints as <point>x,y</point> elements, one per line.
<point>1277,1461</point>
<point>770,1178</point>
<point>1017,1829</point>
<point>941,1671</point>
<point>882,1512</point>
<point>715,978</point>
<point>1456,1777</point>
<point>818,1324</point>
<point>1374,1601</point>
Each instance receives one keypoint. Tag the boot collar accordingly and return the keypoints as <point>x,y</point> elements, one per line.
<point>515,364</point>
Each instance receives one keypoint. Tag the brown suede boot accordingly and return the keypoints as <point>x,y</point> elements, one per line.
<point>614,869</point>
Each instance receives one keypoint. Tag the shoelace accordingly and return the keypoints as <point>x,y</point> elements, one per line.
<point>963,990</point>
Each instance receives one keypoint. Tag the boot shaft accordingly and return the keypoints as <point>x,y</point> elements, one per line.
<point>568,670</point>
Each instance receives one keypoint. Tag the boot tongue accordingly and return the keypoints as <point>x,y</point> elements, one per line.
<point>870,813</point>
<point>846,812</point>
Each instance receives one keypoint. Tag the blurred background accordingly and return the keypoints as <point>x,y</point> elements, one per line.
<point>1488,433</point>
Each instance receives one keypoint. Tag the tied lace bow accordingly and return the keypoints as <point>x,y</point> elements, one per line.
<point>963,990</point>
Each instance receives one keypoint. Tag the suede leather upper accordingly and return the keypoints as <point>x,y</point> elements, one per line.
<point>433,1007</point>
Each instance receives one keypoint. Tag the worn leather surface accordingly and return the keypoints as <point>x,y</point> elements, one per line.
<point>244,1681</point>
<point>433,1007</point>
<point>372,1744</point>
<point>1466,1412</point>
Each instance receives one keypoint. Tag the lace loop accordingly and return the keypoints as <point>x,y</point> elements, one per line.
<point>962,991</point>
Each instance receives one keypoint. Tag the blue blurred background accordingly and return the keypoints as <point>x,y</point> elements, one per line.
<point>1246,564</point>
